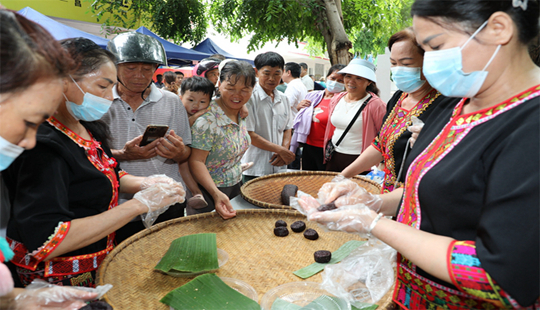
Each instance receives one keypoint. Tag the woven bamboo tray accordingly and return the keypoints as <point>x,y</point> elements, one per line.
<point>265,192</point>
<point>256,256</point>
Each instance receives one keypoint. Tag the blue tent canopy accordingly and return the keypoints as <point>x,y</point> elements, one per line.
<point>58,30</point>
<point>210,47</point>
<point>174,52</point>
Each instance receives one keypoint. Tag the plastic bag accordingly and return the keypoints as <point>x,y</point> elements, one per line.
<point>364,276</point>
<point>42,294</point>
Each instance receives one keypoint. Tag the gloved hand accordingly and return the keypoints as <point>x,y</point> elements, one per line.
<point>156,178</point>
<point>345,192</point>
<point>158,198</point>
<point>42,295</point>
<point>354,219</point>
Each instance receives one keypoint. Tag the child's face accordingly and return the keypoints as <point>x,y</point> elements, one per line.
<point>195,101</point>
<point>213,76</point>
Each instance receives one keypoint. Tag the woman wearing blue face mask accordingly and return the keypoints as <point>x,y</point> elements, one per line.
<point>64,192</point>
<point>310,123</point>
<point>467,225</point>
<point>415,98</point>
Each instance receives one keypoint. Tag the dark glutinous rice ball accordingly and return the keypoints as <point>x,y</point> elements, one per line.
<point>322,256</point>
<point>311,234</point>
<point>281,223</point>
<point>281,231</point>
<point>298,226</point>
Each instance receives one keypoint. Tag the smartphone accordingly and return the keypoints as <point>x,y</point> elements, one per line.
<point>152,133</point>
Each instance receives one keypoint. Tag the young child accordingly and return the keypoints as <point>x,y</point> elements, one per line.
<point>195,93</point>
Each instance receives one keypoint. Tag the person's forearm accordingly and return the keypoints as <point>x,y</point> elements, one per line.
<point>390,202</point>
<point>184,156</point>
<point>287,134</point>
<point>188,178</point>
<point>130,184</point>
<point>202,176</point>
<point>364,162</point>
<point>85,231</point>
<point>426,250</point>
<point>263,144</point>
<point>8,301</point>
<point>119,155</point>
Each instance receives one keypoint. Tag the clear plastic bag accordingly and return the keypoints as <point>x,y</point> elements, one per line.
<point>364,276</point>
<point>42,294</point>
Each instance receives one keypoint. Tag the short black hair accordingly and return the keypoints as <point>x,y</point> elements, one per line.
<point>179,73</point>
<point>303,65</point>
<point>334,68</point>
<point>294,68</point>
<point>271,59</point>
<point>472,13</point>
<point>198,84</point>
<point>238,69</point>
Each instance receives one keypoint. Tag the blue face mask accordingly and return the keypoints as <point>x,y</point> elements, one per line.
<point>334,86</point>
<point>443,70</point>
<point>407,79</point>
<point>92,108</point>
<point>8,153</point>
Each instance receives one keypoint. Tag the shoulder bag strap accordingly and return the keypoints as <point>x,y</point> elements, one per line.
<point>353,120</point>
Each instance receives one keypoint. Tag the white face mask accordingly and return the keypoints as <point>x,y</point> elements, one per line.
<point>334,86</point>
<point>8,153</point>
<point>444,71</point>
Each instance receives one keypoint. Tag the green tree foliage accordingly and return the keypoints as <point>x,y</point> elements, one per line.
<point>366,23</point>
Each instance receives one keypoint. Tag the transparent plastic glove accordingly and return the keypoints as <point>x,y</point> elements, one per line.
<point>353,219</point>
<point>345,192</point>
<point>42,295</point>
<point>156,178</point>
<point>304,203</point>
<point>339,186</point>
<point>158,198</point>
<point>415,128</point>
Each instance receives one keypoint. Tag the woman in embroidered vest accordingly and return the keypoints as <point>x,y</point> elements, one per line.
<point>415,98</point>
<point>64,192</point>
<point>467,225</point>
<point>360,86</point>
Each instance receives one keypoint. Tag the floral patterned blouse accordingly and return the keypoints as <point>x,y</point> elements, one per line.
<point>225,140</point>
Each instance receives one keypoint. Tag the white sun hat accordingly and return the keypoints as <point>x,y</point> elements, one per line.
<point>360,67</point>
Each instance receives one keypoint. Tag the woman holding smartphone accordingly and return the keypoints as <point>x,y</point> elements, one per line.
<point>64,192</point>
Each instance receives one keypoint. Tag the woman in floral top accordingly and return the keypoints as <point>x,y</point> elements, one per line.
<point>220,138</point>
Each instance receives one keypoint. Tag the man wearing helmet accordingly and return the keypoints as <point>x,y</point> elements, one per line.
<point>137,104</point>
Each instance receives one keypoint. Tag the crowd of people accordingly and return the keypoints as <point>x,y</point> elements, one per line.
<point>81,174</point>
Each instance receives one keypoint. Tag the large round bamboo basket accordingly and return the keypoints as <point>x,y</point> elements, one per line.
<point>265,192</point>
<point>256,256</point>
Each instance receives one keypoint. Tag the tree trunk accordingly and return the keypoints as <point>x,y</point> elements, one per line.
<point>337,41</point>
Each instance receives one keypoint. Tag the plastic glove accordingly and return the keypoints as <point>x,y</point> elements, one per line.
<point>354,219</point>
<point>304,203</point>
<point>158,198</point>
<point>339,186</point>
<point>154,179</point>
<point>42,295</point>
<point>345,192</point>
<point>415,128</point>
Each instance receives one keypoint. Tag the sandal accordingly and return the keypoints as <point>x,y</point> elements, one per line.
<point>197,202</point>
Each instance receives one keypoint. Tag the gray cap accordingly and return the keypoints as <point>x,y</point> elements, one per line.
<point>137,47</point>
<point>360,67</point>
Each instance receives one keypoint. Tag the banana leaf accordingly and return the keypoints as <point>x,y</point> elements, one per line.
<point>190,254</point>
<point>208,291</point>
<point>337,256</point>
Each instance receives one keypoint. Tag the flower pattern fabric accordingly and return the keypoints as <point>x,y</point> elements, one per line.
<point>225,140</point>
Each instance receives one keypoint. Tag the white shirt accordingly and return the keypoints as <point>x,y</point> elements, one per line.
<point>308,82</point>
<point>342,115</point>
<point>296,91</point>
<point>269,119</point>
